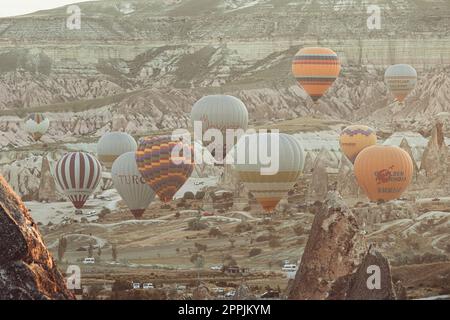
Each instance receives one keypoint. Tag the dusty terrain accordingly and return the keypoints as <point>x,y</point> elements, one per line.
<point>139,66</point>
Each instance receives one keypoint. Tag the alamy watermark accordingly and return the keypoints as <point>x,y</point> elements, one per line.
<point>374,280</point>
<point>73,280</point>
<point>73,21</point>
<point>374,20</point>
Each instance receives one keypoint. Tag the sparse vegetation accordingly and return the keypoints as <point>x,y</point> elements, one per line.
<point>254,252</point>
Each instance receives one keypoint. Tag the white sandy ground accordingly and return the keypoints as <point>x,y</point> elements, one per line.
<point>57,212</point>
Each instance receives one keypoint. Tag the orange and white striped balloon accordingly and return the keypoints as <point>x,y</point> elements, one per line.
<point>316,69</point>
<point>78,175</point>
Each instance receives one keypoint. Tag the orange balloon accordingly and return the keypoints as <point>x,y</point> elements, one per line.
<point>383,172</point>
<point>315,70</point>
<point>355,138</point>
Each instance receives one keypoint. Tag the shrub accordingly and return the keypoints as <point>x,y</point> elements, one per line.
<point>243,227</point>
<point>215,232</point>
<point>254,252</point>
<point>196,224</point>
<point>274,242</point>
<point>200,195</point>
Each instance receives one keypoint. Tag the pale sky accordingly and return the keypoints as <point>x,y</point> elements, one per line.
<point>10,8</point>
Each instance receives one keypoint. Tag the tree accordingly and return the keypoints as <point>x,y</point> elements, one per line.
<point>99,252</point>
<point>62,247</point>
<point>90,251</point>
<point>232,241</point>
<point>114,253</point>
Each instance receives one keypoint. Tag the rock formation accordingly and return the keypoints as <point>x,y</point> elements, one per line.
<point>309,163</point>
<point>346,180</point>
<point>405,146</point>
<point>201,293</point>
<point>436,156</point>
<point>27,269</point>
<point>47,186</point>
<point>371,281</point>
<point>335,248</point>
<point>243,292</point>
<point>319,183</point>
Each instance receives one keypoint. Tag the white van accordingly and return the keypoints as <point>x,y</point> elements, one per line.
<point>148,286</point>
<point>289,268</point>
<point>136,285</point>
<point>89,260</point>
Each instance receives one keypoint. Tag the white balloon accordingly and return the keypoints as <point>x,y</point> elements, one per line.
<point>268,164</point>
<point>220,112</point>
<point>401,79</point>
<point>130,184</point>
<point>113,144</point>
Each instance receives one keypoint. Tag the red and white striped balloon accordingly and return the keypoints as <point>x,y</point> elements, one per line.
<point>78,175</point>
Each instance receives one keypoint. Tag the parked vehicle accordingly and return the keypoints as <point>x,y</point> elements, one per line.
<point>148,286</point>
<point>289,268</point>
<point>216,268</point>
<point>136,285</point>
<point>270,294</point>
<point>89,260</point>
<point>230,294</point>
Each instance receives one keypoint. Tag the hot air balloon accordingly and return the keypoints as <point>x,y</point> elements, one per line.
<point>112,144</point>
<point>37,125</point>
<point>383,172</point>
<point>315,70</point>
<point>130,184</point>
<point>401,79</point>
<point>355,138</point>
<point>78,175</point>
<point>164,164</point>
<point>220,112</point>
<point>268,189</point>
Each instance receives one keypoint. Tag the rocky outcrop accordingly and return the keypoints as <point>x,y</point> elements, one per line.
<point>335,248</point>
<point>201,293</point>
<point>47,186</point>
<point>346,180</point>
<point>371,281</point>
<point>27,269</point>
<point>243,292</point>
<point>435,159</point>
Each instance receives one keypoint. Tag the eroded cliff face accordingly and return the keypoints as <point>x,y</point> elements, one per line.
<point>27,269</point>
<point>338,263</point>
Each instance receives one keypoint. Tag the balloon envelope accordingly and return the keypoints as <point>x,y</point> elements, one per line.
<point>383,172</point>
<point>78,175</point>
<point>355,138</point>
<point>220,112</point>
<point>113,144</point>
<point>401,79</point>
<point>255,152</point>
<point>37,125</point>
<point>165,164</point>
<point>316,69</point>
<point>130,184</point>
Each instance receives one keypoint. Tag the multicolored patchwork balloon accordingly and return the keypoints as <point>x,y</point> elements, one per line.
<point>164,164</point>
<point>316,69</point>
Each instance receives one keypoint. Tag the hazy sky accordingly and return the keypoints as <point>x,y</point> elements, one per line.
<point>10,8</point>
